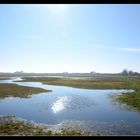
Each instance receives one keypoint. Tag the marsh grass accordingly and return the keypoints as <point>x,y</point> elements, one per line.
<point>10,126</point>
<point>19,128</point>
<point>89,83</point>
<point>4,78</point>
<point>13,90</point>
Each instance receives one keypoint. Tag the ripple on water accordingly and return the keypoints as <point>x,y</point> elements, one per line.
<point>103,128</point>
<point>69,103</point>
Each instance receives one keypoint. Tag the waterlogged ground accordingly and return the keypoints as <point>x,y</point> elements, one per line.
<point>64,107</point>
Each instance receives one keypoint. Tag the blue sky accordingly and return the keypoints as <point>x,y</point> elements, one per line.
<point>73,38</point>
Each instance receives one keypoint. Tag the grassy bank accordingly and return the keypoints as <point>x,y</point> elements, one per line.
<point>89,83</point>
<point>120,82</point>
<point>14,90</point>
<point>4,78</point>
<point>10,126</point>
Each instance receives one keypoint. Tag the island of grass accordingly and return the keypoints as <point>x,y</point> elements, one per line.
<point>11,126</point>
<point>13,90</point>
<point>99,82</point>
<point>4,78</point>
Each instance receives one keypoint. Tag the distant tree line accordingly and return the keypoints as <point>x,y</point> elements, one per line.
<point>126,72</point>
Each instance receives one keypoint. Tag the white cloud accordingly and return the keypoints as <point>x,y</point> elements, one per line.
<point>135,50</point>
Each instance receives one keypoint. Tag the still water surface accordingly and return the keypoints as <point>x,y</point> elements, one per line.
<point>89,109</point>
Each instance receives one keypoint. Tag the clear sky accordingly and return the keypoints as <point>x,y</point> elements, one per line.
<point>69,38</point>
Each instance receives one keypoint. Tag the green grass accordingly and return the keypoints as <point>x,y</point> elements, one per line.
<point>10,127</point>
<point>90,83</point>
<point>131,99</point>
<point>20,128</point>
<point>8,90</point>
<point>119,82</point>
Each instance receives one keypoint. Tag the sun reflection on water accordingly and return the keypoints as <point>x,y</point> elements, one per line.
<point>60,104</point>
